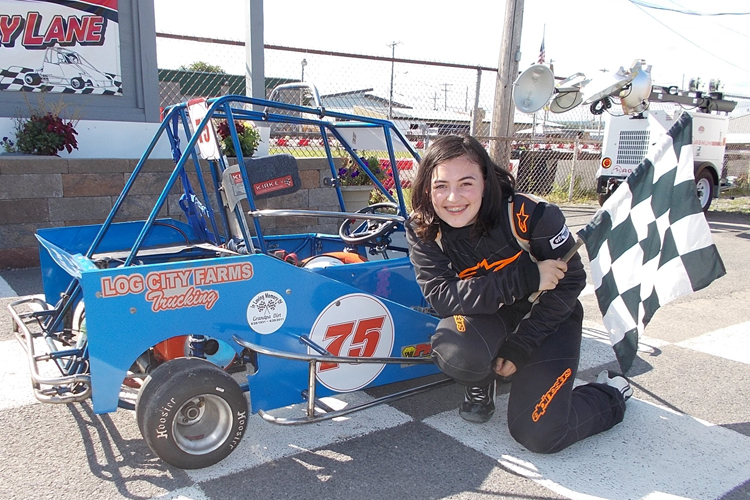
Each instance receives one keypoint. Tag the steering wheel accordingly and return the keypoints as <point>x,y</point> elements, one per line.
<point>376,227</point>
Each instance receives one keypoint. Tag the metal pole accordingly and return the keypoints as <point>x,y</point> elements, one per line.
<point>503,109</point>
<point>393,63</point>
<point>254,65</point>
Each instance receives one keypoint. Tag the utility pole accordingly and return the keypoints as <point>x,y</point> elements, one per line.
<point>507,70</point>
<point>445,90</point>
<point>392,45</point>
<point>434,101</point>
<point>476,116</point>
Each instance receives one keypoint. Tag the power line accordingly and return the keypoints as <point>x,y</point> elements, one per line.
<point>718,24</point>
<point>634,2</point>
<point>641,3</point>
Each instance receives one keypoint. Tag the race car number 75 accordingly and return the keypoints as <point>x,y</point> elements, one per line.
<point>363,343</point>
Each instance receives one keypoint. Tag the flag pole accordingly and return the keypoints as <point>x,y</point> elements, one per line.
<point>574,250</point>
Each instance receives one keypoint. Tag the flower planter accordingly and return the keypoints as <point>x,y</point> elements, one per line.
<point>356,197</point>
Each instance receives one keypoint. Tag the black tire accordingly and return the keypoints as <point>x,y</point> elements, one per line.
<point>144,395</point>
<point>704,188</point>
<point>603,197</point>
<point>77,83</point>
<point>191,413</point>
<point>33,79</point>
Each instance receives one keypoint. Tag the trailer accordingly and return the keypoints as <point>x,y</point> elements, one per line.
<point>630,131</point>
<point>627,138</point>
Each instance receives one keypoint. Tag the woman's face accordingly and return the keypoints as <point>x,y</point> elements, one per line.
<point>456,191</point>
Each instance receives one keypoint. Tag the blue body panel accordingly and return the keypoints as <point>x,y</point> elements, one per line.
<point>120,237</point>
<point>122,322</point>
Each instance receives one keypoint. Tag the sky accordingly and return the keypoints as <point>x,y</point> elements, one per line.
<point>580,35</point>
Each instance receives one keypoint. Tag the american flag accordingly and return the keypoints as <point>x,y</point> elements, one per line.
<point>541,52</point>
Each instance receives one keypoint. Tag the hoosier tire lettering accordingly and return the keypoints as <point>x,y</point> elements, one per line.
<point>241,418</point>
<point>161,429</point>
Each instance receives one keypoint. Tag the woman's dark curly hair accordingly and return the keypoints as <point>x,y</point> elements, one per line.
<point>498,184</point>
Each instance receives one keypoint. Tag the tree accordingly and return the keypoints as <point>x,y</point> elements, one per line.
<point>203,67</point>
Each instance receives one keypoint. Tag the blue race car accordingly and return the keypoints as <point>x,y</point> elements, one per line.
<point>179,318</point>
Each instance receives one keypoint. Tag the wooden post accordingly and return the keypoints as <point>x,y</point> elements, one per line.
<point>573,168</point>
<point>476,115</point>
<point>503,109</point>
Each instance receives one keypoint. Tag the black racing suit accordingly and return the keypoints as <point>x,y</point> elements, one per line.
<point>480,286</point>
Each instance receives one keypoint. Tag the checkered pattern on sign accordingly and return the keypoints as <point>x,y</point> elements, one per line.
<point>650,242</point>
<point>12,78</point>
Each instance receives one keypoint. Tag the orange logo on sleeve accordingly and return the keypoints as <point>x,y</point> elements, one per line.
<point>541,406</point>
<point>522,218</point>
<point>470,272</point>
<point>460,324</point>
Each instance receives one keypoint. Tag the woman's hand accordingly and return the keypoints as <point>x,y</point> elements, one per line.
<point>550,273</point>
<point>504,368</point>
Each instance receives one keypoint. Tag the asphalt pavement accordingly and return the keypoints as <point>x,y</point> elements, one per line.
<point>686,433</point>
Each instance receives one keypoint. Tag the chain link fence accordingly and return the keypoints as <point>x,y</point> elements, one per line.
<point>554,155</point>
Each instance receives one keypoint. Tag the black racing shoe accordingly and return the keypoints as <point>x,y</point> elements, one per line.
<point>479,404</point>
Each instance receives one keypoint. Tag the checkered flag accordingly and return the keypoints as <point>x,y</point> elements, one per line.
<point>650,242</point>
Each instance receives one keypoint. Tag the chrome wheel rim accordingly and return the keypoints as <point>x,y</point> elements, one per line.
<point>202,424</point>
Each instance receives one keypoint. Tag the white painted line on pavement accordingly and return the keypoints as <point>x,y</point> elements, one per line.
<point>597,331</point>
<point>5,290</point>
<point>653,453</point>
<point>14,376</point>
<point>732,342</point>
<point>264,442</point>
<point>192,493</point>
<point>595,352</point>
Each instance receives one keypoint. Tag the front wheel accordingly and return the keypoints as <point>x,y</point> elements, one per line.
<point>33,79</point>
<point>191,413</point>
<point>704,185</point>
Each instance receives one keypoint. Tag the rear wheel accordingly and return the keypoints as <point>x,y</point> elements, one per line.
<point>191,413</point>
<point>704,185</point>
<point>77,83</point>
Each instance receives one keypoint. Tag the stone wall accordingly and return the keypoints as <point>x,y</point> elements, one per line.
<point>40,192</point>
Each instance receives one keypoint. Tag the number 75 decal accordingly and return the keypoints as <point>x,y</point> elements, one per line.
<point>363,343</point>
<point>357,325</point>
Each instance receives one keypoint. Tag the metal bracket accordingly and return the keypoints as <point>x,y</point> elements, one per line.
<point>70,388</point>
